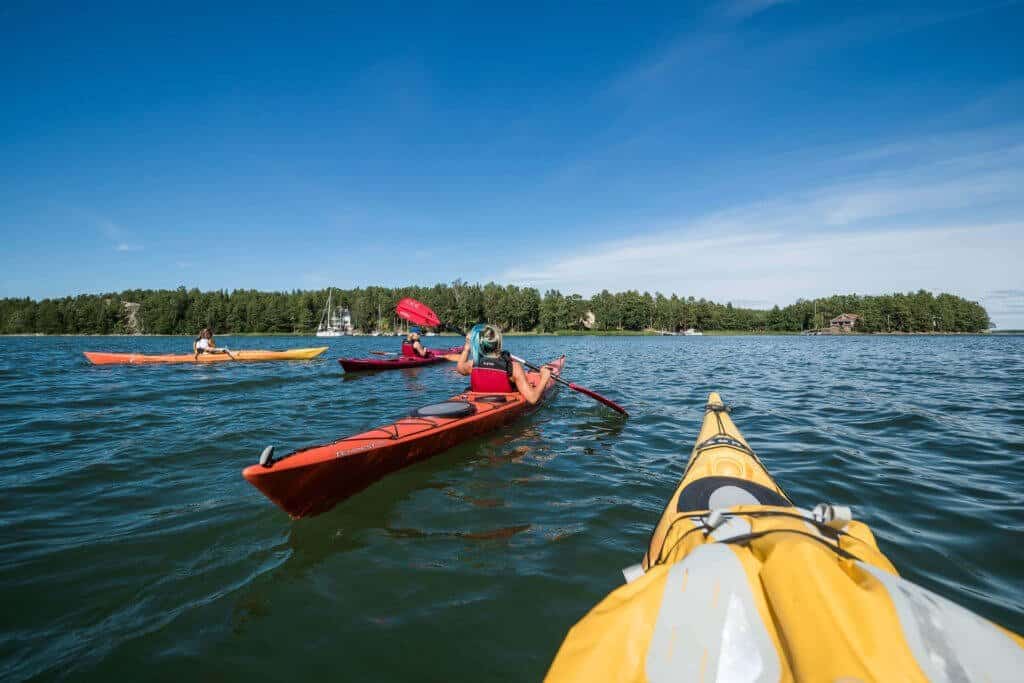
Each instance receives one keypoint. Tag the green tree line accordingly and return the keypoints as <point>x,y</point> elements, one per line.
<point>461,304</point>
<point>919,311</point>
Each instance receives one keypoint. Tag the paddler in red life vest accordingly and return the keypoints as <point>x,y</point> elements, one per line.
<point>491,370</point>
<point>412,346</point>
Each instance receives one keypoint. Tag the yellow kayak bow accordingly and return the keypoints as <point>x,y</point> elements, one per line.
<point>739,584</point>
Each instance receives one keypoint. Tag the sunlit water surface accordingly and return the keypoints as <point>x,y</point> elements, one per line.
<point>131,543</point>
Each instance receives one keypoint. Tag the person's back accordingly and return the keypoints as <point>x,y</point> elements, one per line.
<point>492,371</point>
<point>492,374</point>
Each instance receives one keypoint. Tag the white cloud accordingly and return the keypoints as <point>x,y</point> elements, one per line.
<point>1006,307</point>
<point>777,268</point>
<point>124,246</point>
<point>951,224</point>
<point>872,202</point>
<point>721,39</point>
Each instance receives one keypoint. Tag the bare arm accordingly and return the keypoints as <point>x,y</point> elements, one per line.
<point>463,365</point>
<point>529,391</point>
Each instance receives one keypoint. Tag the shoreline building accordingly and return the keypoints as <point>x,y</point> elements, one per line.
<point>845,322</point>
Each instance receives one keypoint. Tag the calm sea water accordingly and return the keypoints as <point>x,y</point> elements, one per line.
<point>129,542</point>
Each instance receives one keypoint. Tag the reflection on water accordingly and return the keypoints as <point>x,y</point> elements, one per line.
<point>124,506</point>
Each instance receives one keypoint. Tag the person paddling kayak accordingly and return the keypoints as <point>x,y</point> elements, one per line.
<point>492,370</point>
<point>412,346</point>
<point>204,344</point>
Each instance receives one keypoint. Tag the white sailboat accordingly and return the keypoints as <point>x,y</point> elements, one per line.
<point>335,321</point>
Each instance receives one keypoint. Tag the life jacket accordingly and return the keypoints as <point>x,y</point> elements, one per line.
<point>408,350</point>
<point>492,375</point>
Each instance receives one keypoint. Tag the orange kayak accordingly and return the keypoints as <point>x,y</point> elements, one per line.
<point>100,358</point>
<point>313,480</point>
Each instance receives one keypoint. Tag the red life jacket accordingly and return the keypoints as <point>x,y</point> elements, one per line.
<point>408,350</point>
<point>492,376</point>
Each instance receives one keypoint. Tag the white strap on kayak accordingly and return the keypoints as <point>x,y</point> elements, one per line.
<point>835,516</point>
<point>633,572</point>
<point>723,525</point>
<point>714,520</point>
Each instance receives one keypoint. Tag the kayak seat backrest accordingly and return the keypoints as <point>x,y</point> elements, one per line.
<point>712,493</point>
<point>446,409</point>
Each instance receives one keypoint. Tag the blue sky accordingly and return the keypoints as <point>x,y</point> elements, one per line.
<point>752,151</point>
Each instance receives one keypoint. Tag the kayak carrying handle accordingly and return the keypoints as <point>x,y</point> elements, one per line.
<point>267,456</point>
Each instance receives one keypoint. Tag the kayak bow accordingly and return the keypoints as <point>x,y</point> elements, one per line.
<point>313,480</point>
<point>101,358</point>
<point>739,584</point>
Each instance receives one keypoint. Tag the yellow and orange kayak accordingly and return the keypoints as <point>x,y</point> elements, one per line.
<point>101,358</point>
<point>740,584</point>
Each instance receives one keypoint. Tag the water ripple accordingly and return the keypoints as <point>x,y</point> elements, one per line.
<point>131,542</point>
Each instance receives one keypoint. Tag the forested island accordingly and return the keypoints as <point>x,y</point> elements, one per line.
<point>460,304</point>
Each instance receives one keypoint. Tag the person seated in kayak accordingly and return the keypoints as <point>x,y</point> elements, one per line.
<point>412,346</point>
<point>492,370</point>
<point>204,343</point>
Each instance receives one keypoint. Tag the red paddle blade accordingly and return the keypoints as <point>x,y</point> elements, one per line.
<point>417,313</point>
<point>598,397</point>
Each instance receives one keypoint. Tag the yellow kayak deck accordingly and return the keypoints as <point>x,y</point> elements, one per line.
<point>740,584</point>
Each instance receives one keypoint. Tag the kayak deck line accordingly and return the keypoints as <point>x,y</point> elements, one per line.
<point>310,481</point>
<point>391,432</point>
<point>708,523</point>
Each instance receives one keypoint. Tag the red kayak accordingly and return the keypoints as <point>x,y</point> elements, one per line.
<point>396,362</point>
<point>314,480</point>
